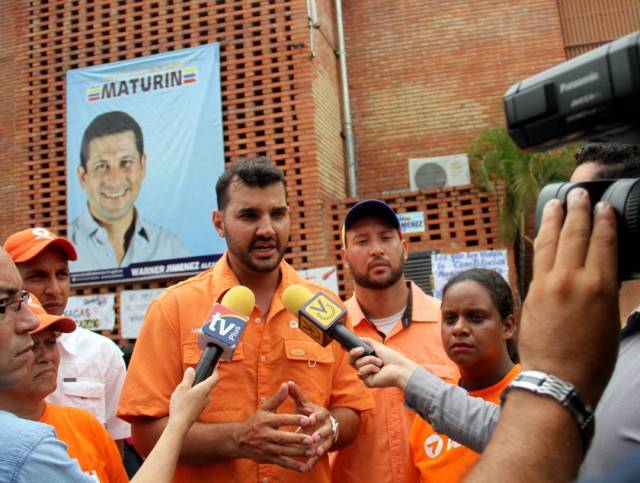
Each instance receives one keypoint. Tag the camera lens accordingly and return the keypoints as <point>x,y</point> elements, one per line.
<point>624,197</point>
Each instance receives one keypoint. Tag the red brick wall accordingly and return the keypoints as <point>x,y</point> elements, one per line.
<point>13,104</point>
<point>269,106</point>
<point>427,76</point>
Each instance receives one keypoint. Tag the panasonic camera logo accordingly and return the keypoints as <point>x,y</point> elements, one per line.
<point>582,81</point>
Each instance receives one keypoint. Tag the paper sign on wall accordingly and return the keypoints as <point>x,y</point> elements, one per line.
<point>133,306</point>
<point>93,312</point>
<point>412,222</point>
<point>446,265</point>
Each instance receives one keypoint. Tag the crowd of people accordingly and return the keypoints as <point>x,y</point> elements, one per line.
<point>448,395</point>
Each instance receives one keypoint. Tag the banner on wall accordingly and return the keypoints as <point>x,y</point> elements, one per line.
<point>446,265</point>
<point>133,306</point>
<point>93,312</point>
<point>412,222</point>
<point>144,151</point>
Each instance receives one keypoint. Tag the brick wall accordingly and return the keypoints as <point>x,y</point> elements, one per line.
<point>427,76</point>
<point>269,104</point>
<point>13,104</point>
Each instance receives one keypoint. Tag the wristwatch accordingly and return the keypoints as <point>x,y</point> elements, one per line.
<point>565,393</point>
<point>335,427</point>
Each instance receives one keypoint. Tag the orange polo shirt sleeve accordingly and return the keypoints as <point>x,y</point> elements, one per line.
<point>156,368</point>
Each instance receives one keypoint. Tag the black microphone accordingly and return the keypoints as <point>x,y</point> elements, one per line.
<point>321,318</point>
<point>221,332</point>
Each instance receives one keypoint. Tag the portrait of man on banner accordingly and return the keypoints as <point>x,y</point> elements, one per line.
<point>111,231</point>
<point>144,150</point>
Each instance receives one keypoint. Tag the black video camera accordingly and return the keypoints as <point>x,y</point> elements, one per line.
<point>595,94</point>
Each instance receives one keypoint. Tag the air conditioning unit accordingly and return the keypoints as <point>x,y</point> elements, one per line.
<point>439,172</point>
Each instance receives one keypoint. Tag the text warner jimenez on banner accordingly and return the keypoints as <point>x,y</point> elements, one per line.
<point>144,151</point>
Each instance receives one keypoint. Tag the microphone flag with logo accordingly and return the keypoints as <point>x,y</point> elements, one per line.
<point>321,318</point>
<point>220,334</point>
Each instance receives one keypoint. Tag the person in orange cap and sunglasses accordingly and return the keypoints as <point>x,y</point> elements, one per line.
<point>92,369</point>
<point>87,440</point>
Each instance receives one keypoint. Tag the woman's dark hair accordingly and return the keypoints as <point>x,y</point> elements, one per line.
<point>500,294</point>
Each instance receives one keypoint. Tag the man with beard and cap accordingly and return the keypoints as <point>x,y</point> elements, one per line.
<point>284,401</point>
<point>396,312</point>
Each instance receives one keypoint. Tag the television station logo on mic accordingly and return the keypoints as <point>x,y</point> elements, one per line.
<point>318,315</point>
<point>223,326</point>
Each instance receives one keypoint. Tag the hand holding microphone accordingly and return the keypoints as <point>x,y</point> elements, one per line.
<point>321,318</point>
<point>223,328</point>
<point>387,367</point>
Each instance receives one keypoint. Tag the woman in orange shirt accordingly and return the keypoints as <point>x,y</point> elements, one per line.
<point>478,329</point>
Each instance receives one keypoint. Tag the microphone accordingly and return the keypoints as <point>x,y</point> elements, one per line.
<point>223,328</point>
<point>321,318</point>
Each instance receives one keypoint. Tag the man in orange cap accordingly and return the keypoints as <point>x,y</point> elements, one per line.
<point>92,369</point>
<point>87,440</point>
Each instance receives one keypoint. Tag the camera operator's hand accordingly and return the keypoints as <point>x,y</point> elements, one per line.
<point>569,329</point>
<point>570,322</point>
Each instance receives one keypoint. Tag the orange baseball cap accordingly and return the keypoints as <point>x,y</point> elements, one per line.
<point>26,244</point>
<point>59,323</point>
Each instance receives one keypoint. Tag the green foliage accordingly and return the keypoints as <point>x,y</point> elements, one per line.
<point>499,166</point>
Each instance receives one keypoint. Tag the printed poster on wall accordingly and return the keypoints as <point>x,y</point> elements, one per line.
<point>93,312</point>
<point>133,306</point>
<point>412,222</point>
<point>446,265</point>
<point>144,151</point>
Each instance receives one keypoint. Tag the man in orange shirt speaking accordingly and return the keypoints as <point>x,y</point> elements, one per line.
<point>283,401</point>
<point>394,311</point>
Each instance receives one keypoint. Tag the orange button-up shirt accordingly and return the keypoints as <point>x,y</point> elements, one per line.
<point>380,452</point>
<point>272,350</point>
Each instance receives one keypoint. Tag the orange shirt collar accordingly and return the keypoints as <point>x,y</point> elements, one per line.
<point>424,307</point>
<point>224,279</point>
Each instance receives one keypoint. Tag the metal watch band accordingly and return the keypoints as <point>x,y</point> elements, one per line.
<point>565,393</point>
<point>335,427</point>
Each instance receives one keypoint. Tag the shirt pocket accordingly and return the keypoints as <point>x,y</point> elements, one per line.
<point>310,366</point>
<point>191,353</point>
<point>89,395</point>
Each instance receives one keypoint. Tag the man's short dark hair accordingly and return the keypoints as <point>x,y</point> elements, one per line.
<point>106,124</point>
<point>614,160</point>
<point>258,172</point>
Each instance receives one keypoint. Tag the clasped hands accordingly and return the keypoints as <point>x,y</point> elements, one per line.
<point>261,438</point>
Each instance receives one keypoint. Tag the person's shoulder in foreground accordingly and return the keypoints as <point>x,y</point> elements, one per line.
<point>31,452</point>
